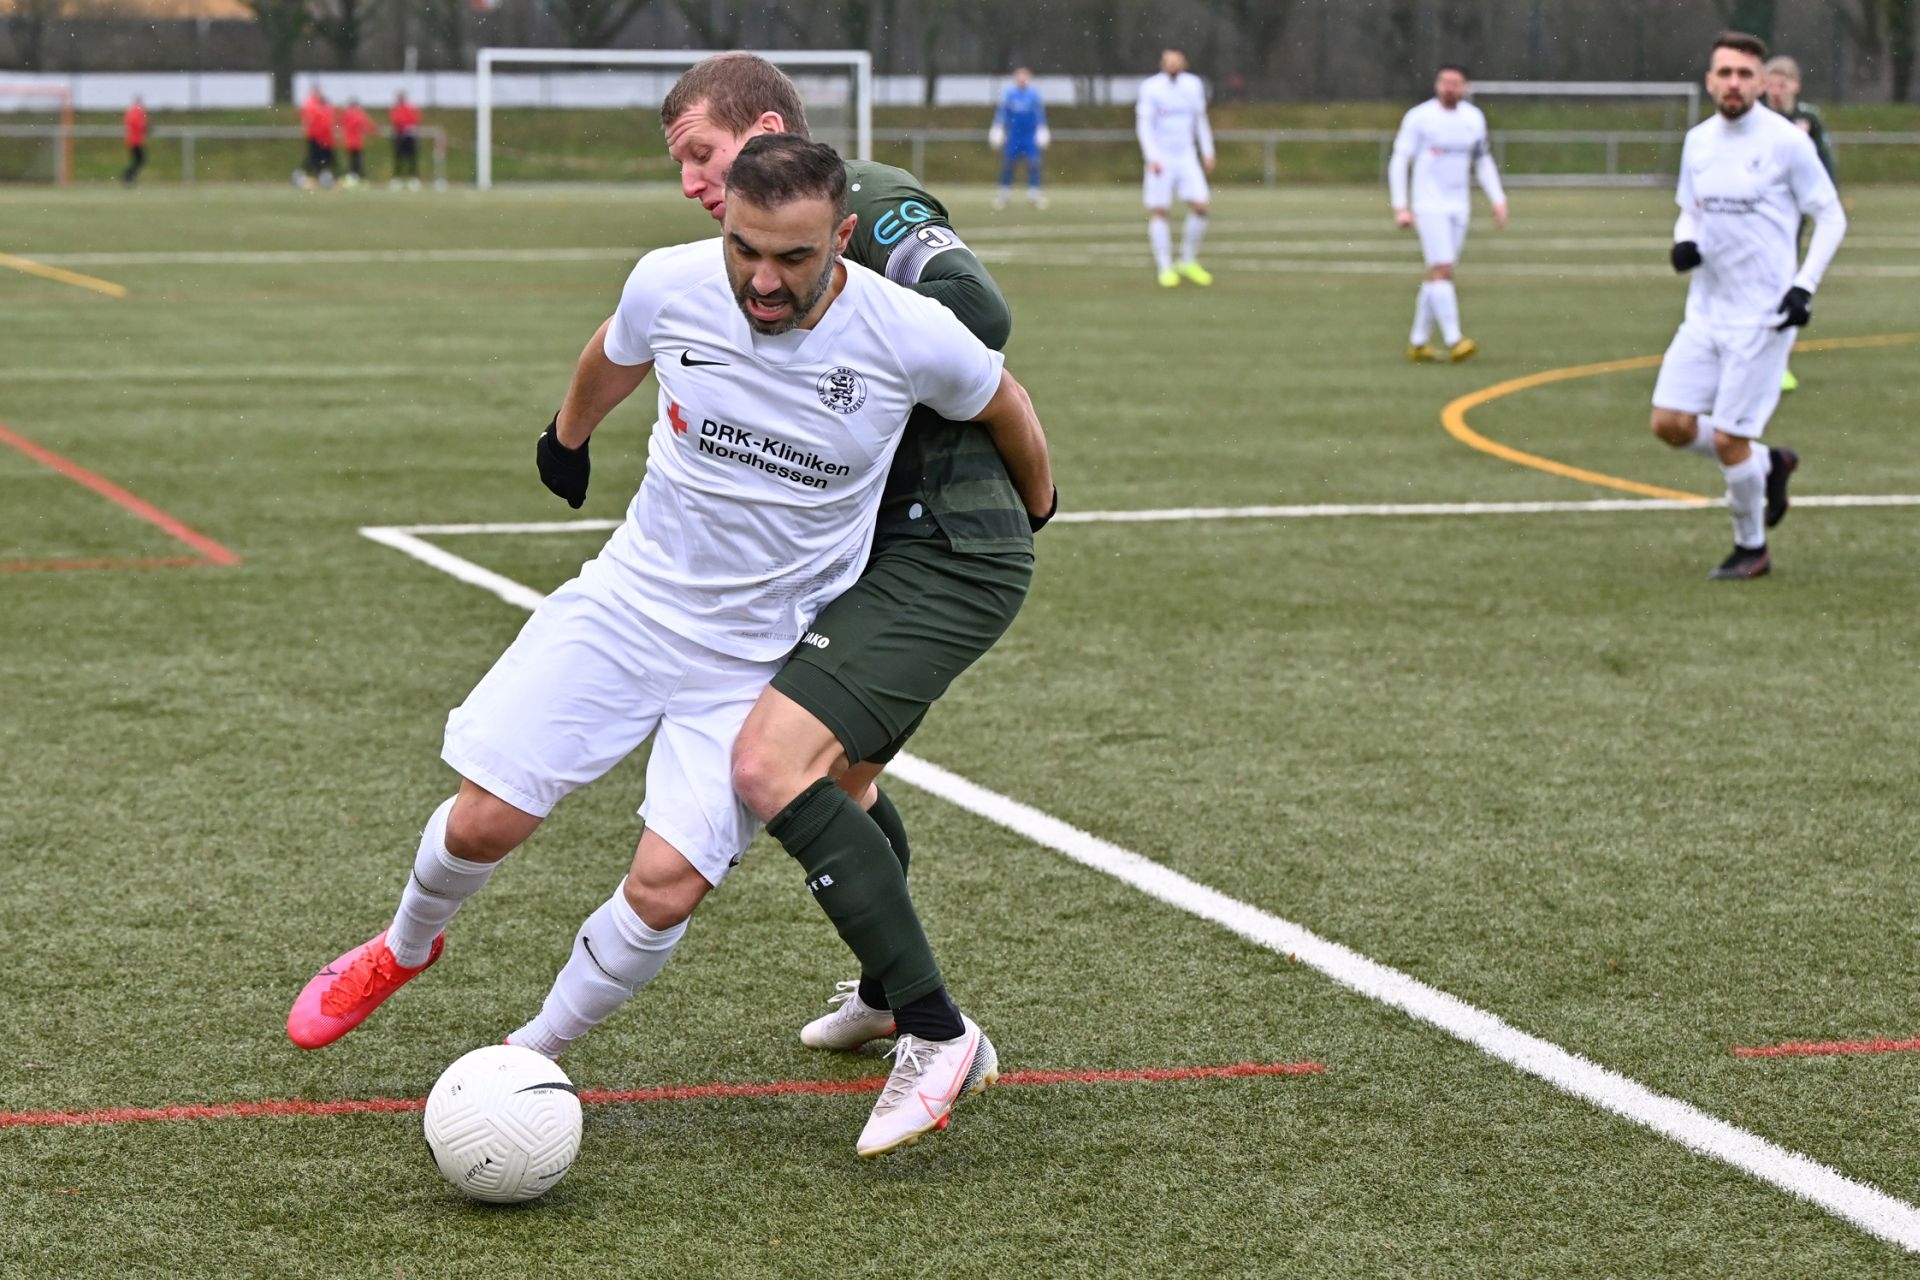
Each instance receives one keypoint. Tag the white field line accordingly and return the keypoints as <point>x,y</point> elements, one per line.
<point>1865,1206</point>
<point>1122,255</point>
<point>392,535</point>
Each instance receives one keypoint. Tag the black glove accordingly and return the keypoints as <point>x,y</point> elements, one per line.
<point>1798,307</point>
<point>1037,523</point>
<point>1685,255</point>
<point>563,470</point>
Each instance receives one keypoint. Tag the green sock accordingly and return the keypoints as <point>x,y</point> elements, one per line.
<point>857,879</point>
<point>887,818</point>
<point>873,992</point>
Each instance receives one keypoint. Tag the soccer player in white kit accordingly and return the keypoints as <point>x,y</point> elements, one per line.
<point>1747,175</point>
<point>786,377</point>
<point>1444,142</point>
<point>1170,119</point>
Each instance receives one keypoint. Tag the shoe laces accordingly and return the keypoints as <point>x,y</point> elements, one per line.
<point>358,982</point>
<point>844,992</point>
<point>911,1057</point>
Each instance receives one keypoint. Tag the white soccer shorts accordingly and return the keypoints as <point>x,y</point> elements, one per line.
<point>1181,179</point>
<point>1730,377</point>
<point>584,684</point>
<point>1443,233</point>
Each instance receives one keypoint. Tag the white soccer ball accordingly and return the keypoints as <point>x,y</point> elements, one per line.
<point>503,1124</point>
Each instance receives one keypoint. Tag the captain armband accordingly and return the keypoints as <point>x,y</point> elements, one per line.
<point>911,256</point>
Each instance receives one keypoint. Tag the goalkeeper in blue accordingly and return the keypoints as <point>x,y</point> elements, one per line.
<point>1020,132</point>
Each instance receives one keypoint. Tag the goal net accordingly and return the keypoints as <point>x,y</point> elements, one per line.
<point>36,133</point>
<point>1584,133</point>
<point>593,115</point>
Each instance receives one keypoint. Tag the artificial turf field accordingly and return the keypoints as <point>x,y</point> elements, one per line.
<point>1534,761</point>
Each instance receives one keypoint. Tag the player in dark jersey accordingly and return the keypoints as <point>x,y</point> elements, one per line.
<point>1783,95</point>
<point>951,561</point>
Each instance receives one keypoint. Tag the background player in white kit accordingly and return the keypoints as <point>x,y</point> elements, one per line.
<point>1444,142</point>
<point>786,378</point>
<point>1170,119</point>
<point>1746,177</point>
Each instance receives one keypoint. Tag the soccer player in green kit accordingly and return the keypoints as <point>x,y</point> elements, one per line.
<point>1783,95</point>
<point>951,562</point>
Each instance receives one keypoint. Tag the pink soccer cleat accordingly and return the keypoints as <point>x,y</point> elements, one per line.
<point>340,996</point>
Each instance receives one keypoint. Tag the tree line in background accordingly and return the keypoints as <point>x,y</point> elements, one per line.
<point>1282,49</point>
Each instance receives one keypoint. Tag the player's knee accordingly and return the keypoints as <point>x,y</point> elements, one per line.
<point>1676,429</point>
<point>762,777</point>
<point>484,828</point>
<point>1199,210</point>
<point>662,901</point>
<point>1442,271</point>
<point>1731,450</point>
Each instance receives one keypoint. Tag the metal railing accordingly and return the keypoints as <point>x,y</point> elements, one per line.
<point>1270,140</point>
<point>190,135</point>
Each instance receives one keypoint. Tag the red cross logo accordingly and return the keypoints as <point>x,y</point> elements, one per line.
<point>673,416</point>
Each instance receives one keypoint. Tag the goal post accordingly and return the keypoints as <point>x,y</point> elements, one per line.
<point>1622,132</point>
<point>627,78</point>
<point>36,133</point>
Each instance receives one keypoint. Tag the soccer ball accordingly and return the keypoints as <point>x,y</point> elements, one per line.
<point>503,1124</point>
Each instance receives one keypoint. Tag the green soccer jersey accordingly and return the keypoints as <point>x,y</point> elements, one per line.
<point>947,478</point>
<point>1817,130</point>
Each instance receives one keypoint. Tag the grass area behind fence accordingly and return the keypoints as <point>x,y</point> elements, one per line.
<point>563,145</point>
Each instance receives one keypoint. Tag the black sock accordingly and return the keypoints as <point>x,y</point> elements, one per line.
<point>873,993</point>
<point>933,1016</point>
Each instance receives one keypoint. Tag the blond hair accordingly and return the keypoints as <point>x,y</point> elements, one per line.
<point>1783,66</point>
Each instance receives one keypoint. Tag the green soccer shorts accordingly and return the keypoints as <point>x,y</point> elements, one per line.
<point>880,655</point>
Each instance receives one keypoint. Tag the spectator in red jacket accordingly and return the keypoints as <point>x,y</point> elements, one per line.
<point>316,120</point>
<point>136,122</point>
<point>355,126</point>
<point>405,120</point>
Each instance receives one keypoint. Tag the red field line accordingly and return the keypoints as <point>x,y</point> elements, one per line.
<point>602,1097</point>
<point>211,552</point>
<point>1826,1048</point>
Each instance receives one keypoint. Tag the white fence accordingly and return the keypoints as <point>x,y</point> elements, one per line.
<point>191,136</point>
<point>454,90</point>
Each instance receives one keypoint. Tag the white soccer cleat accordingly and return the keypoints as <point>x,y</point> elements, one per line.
<point>929,1077</point>
<point>852,1023</point>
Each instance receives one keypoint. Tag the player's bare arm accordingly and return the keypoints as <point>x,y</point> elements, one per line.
<point>599,385</point>
<point>1022,442</point>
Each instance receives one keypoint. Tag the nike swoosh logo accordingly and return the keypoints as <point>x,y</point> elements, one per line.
<point>687,360</point>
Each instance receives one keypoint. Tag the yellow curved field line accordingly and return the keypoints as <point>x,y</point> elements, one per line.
<point>74,278</point>
<point>1454,416</point>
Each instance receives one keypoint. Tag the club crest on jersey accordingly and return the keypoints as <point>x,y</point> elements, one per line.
<point>841,389</point>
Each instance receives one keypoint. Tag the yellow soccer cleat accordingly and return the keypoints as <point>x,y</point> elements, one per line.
<point>1169,279</point>
<point>1422,354</point>
<point>1788,382</point>
<point>1195,272</point>
<point>1462,350</point>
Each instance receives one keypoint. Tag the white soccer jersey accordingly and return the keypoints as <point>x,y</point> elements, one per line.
<point>1170,119</point>
<point>1743,186</point>
<point>765,465</point>
<point>1445,149</point>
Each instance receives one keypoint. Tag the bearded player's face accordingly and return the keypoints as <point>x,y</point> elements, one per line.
<point>781,262</point>
<point>705,150</point>
<point>1733,78</point>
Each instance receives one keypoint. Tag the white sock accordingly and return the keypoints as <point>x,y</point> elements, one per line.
<point>614,955</point>
<point>1446,308</point>
<point>437,886</point>
<point>1422,318</point>
<point>1747,498</point>
<point>1702,442</point>
<point>1160,236</point>
<point>1191,234</point>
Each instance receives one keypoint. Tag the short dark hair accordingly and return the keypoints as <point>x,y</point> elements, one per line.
<point>775,169</point>
<point>1454,66</point>
<point>738,89</point>
<point>1741,41</point>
